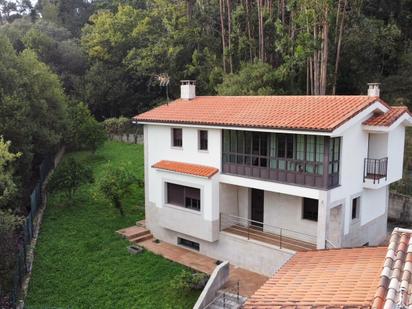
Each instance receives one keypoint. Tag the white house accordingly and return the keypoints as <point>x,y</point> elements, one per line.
<point>253,179</point>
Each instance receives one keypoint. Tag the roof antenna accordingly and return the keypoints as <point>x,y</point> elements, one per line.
<point>164,81</point>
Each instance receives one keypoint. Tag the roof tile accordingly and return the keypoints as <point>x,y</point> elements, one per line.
<point>186,168</point>
<point>320,113</point>
<point>388,118</point>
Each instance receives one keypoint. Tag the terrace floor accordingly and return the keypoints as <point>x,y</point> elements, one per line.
<point>269,238</point>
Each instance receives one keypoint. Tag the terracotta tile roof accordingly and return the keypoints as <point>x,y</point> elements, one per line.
<point>315,113</point>
<point>186,168</point>
<point>386,119</point>
<point>396,276</point>
<point>323,278</point>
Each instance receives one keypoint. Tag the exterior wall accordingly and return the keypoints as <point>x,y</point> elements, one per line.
<point>249,254</point>
<point>378,145</point>
<point>285,211</point>
<point>400,208</point>
<point>396,144</point>
<point>202,224</point>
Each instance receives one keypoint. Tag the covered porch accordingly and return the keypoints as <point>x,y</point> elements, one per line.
<point>280,220</point>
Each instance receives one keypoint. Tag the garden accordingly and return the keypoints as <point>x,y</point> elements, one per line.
<point>80,262</point>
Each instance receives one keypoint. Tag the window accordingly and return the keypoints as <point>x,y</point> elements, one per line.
<point>203,140</point>
<point>188,243</point>
<point>355,208</point>
<point>177,137</point>
<point>310,209</point>
<point>183,196</point>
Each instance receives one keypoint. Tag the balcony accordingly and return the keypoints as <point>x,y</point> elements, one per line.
<point>267,234</point>
<point>375,170</point>
<point>299,159</point>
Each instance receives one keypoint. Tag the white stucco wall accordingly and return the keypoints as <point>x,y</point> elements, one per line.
<point>396,144</point>
<point>285,211</point>
<point>378,145</point>
<point>158,147</point>
<point>373,204</point>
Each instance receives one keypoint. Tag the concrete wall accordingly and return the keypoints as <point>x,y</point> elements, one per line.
<point>400,208</point>
<point>216,281</point>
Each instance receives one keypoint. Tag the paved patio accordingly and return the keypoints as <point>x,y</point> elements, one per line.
<point>249,281</point>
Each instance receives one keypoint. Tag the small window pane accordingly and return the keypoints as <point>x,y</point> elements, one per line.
<point>226,141</point>
<point>355,208</point>
<point>281,145</point>
<point>310,209</point>
<point>248,142</point>
<point>177,137</point>
<point>203,140</point>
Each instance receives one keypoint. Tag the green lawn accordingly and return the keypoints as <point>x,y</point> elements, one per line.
<point>81,263</point>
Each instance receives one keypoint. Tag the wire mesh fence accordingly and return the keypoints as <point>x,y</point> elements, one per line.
<point>22,267</point>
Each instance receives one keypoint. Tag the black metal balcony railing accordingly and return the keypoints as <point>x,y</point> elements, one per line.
<point>375,169</point>
<point>266,233</point>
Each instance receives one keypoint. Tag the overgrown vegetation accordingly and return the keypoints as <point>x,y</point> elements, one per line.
<point>82,263</point>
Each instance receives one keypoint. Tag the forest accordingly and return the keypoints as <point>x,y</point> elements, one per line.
<point>67,65</point>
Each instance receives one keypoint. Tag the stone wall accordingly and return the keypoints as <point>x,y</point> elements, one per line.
<point>400,208</point>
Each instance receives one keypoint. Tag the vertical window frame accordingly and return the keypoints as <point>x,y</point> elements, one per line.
<point>201,140</point>
<point>172,136</point>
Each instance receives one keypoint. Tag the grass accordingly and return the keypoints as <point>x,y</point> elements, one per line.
<point>81,263</point>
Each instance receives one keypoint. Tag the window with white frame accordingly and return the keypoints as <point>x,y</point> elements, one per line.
<point>355,207</point>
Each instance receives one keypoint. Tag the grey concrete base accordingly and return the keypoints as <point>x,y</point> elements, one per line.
<point>374,233</point>
<point>249,254</point>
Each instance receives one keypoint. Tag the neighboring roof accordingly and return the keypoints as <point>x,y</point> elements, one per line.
<point>312,113</point>
<point>186,168</point>
<point>395,279</point>
<point>388,118</point>
<point>323,278</point>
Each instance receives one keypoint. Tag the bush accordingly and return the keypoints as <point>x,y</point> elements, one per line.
<point>188,280</point>
<point>9,225</point>
<point>69,176</point>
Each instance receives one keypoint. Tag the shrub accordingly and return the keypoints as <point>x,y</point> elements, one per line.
<point>69,176</point>
<point>188,280</point>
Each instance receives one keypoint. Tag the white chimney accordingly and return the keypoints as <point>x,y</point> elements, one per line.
<point>373,90</point>
<point>187,89</point>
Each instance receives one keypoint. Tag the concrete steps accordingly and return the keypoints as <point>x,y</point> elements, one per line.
<point>135,234</point>
<point>141,237</point>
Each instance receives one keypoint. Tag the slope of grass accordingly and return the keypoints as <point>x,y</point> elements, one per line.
<point>81,263</point>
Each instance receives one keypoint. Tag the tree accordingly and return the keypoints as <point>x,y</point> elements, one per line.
<point>69,177</point>
<point>9,225</point>
<point>8,188</point>
<point>116,183</point>
<point>84,132</point>
<point>253,79</point>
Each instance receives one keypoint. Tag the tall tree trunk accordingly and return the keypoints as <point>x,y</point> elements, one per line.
<point>339,43</point>
<point>222,33</point>
<point>249,30</point>
<point>229,30</point>
<point>325,50</point>
<point>261,31</point>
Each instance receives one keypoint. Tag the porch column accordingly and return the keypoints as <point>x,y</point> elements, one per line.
<point>323,219</point>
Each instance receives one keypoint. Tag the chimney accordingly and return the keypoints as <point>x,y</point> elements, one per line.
<point>187,89</point>
<point>373,90</point>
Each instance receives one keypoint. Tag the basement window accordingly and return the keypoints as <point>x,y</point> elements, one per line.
<point>188,243</point>
<point>355,208</point>
<point>310,209</point>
